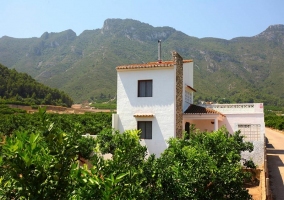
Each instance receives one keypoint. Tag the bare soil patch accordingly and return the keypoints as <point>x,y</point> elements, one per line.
<point>254,186</point>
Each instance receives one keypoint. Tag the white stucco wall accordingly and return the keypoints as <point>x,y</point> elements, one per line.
<point>161,104</point>
<point>231,123</point>
<point>188,74</point>
<point>257,155</point>
<point>232,120</point>
<point>187,80</point>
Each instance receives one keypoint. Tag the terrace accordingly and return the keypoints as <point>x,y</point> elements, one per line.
<point>239,108</point>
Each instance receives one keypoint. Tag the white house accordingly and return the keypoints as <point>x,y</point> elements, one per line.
<point>152,97</point>
<point>157,97</point>
<point>246,117</point>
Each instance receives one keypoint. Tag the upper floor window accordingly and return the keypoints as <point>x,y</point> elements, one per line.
<point>145,88</point>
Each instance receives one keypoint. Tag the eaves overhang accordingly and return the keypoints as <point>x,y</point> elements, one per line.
<point>199,110</point>
<point>191,88</point>
<point>143,115</point>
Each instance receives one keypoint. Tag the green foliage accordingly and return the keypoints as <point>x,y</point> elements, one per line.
<point>274,121</point>
<point>41,163</point>
<point>85,146</point>
<point>20,88</point>
<point>92,123</point>
<point>268,109</point>
<point>110,106</point>
<point>4,109</point>
<point>120,177</point>
<point>249,164</point>
<point>189,169</point>
<point>274,117</point>
<point>38,164</point>
<point>204,167</point>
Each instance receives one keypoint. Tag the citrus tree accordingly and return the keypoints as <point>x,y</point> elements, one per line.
<point>39,164</point>
<point>42,163</point>
<point>206,166</point>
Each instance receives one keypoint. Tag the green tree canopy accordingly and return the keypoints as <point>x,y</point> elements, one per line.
<point>20,88</point>
<point>42,163</point>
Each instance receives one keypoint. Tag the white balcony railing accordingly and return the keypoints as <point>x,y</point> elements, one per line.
<point>237,108</point>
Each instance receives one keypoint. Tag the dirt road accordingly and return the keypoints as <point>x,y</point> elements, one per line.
<point>275,162</point>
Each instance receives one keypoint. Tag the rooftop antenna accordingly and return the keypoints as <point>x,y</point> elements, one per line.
<point>159,51</point>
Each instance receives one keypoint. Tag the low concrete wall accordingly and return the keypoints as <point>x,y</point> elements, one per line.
<point>266,191</point>
<point>256,155</point>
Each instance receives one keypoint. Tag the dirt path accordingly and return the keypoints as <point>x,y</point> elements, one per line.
<point>275,162</point>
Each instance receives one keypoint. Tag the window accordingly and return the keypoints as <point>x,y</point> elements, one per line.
<point>145,88</point>
<point>146,129</point>
<point>250,131</point>
<point>188,97</point>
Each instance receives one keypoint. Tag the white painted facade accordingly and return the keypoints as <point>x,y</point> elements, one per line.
<point>187,81</point>
<point>241,114</point>
<point>160,107</point>
<point>248,115</point>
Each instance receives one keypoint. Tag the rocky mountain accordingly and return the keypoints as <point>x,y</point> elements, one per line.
<point>244,69</point>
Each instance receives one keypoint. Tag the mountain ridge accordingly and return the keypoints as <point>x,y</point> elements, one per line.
<point>272,32</point>
<point>84,65</point>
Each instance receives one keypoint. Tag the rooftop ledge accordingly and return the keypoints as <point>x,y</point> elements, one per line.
<point>240,108</point>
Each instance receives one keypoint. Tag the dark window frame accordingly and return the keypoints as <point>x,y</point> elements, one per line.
<point>145,88</point>
<point>146,129</point>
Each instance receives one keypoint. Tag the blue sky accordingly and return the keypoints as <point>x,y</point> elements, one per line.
<point>199,18</point>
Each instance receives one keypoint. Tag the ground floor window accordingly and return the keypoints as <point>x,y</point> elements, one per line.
<point>250,131</point>
<point>146,129</point>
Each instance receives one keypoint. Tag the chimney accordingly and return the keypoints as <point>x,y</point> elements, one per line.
<point>159,51</point>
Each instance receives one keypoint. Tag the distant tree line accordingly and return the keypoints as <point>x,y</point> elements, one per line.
<point>20,88</point>
<point>274,117</point>
<point>243,97</point>
<point>92,123</point>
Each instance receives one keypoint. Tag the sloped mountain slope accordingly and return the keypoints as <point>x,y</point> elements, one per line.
<point>20,88</point>
<point>245,69</point>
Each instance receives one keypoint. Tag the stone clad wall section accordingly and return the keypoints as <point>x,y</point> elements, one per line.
<point>178,60</point>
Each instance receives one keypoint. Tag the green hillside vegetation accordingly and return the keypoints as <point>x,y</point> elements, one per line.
<point>21,88</point>
<point>274,121</point>
<point>244,69</point>
<point>103,103</point>
<point>274,117</point>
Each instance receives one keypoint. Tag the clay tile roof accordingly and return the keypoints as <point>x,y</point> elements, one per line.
<point>194,109</point>
<point>143,115</point>
<point>150,65</point>
<point>187,61</point>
